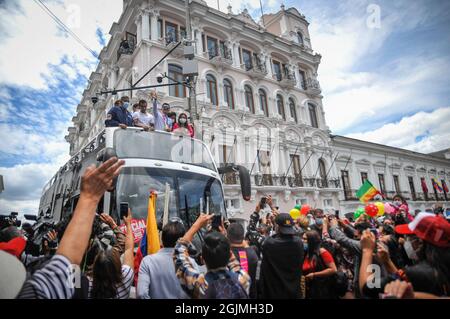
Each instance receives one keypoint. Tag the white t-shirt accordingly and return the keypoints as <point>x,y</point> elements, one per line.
<point>123,289</point>
<point>144,118</point>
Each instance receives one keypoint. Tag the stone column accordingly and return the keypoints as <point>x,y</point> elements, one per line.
<point>145,25</point>
<point>154,25</point>
<point>236,60</point>
<point>269,67</point>
<point>199,42</point>
<point>297,76</point>
<point>138,23</point>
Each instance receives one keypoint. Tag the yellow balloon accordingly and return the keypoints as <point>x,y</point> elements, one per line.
<point>380,208</point>
<point>295,213</point>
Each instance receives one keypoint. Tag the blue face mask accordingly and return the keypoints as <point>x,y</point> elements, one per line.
<point>305,246</point>
<point>319,221</point>
<point>126,105</point>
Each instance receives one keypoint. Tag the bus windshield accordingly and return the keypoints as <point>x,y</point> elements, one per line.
<point>189,195</point>
<point>162,146</point>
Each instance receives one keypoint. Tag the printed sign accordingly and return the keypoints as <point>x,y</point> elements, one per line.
<point>138,227</point>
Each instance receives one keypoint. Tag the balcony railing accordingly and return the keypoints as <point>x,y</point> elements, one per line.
<point>286,79</point>
<point>350,195</point>
<point>256,69</point>
<point>295,181</point>
<point>127,47</point>
<point>231,178</point>
<point>220,58</point>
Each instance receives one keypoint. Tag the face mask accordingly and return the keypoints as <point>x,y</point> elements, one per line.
<point>126,105</point>
<point>397,203</point>
<point>305,246</point>
<point>319,221</point>
<point>409,250</point>
<point>183,121</point>
<point>312,222</point>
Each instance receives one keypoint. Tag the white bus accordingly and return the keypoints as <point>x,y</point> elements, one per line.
<point>154,161</point>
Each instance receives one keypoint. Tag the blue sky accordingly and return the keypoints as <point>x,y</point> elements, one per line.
<point>389,85</point>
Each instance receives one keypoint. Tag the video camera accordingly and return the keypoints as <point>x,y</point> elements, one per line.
<point>11,220</point>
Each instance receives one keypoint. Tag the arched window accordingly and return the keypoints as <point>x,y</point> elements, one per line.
<point>211,86</point>
<point>293,110</point>
<point>313,115</point>
<point>176,73</point>
<point>263,102</point>
<point>249,98</point>
<point>280,106</point>
<point>323,173</point>
<point>300,38</point>
<point>228,92</point>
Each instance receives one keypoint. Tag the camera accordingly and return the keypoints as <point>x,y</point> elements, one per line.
<point>160,77</point>
<point>94,99</point>
<point>11,220</point>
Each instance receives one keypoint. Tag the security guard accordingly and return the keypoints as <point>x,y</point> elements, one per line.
<point>119,114</point>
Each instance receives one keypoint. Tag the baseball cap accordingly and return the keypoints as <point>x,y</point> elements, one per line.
<point>428,227</point>
<point>13,276</point>
<point>286,224</point>
<point>14,247</point>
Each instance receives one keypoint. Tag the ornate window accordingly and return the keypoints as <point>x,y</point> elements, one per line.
<point>176,73</point>
<point>280,106</point>
<point>263,102</point>
<point>228,92</point>
<point>249,98</point>
<point>313,115</point>
<point>211,86</point>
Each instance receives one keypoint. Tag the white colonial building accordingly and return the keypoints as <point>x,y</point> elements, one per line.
<point>259,102</point>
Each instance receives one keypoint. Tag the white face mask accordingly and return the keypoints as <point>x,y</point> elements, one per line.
<point>410,252</point>
<point>398,203</point>
<point>183,121</point>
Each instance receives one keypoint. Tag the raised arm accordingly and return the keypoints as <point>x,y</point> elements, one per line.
<point>94,183</point>
<point>129,242</point>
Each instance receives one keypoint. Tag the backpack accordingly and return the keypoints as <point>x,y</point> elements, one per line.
<point>224,285</point>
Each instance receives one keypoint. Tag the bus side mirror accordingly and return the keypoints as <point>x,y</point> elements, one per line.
<point>103,156</point>
<point>246,184</point>
<point>31,217</point>
<point>244,178</point>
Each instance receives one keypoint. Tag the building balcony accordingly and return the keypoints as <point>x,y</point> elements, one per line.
<point>170,41</point>
<point>125,51</point>
<point>286,80</point>
<point>312,86</point>
<point>220,59</point>
<point>350,194</point>
<point>231,178</point>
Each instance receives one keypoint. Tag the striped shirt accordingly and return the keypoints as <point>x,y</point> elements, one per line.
<point>123,289</point>
<point>53,281</point>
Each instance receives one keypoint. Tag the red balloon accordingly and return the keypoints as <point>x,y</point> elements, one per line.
<point>305,209</point>
<point>372,210</point>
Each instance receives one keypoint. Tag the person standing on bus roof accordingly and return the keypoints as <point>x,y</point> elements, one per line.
<point>119,116</point>
<point>162,120</point>
<point>142,118</point>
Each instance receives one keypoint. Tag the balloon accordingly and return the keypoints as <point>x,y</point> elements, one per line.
<point>299,207</point>
<point>388,208</point>
<point>380,208</point>
<point>295,214</point>
<point>372,210</point>
<point>305,209</point>
<point>360,211</point>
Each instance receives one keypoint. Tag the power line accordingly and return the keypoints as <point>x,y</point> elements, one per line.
<point>64,27</point>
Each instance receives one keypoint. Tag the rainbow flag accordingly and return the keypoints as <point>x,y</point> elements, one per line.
<point>153,244</point>
<point>367,192</point>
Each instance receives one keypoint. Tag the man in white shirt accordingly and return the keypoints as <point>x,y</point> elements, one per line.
<point>143,118</point>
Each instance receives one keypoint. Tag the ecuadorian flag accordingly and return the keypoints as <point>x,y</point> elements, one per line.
<point>437,186</point>
<point>367,192</point>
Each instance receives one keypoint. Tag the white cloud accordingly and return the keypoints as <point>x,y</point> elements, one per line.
<point>35,41</point>
<point>422,132</point>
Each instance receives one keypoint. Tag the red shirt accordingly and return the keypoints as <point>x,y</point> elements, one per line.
<point>310,267</point>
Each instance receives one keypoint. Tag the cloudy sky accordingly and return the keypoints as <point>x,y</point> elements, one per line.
<point>385,80</point>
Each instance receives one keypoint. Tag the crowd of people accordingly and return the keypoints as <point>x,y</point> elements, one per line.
<point>317,256</point>
<point>160,118</point>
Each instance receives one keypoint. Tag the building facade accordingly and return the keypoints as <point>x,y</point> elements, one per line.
<point>258,97</point>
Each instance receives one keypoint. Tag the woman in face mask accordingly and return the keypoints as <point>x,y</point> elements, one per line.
<point>184,125</point>
<point>401,213</point>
